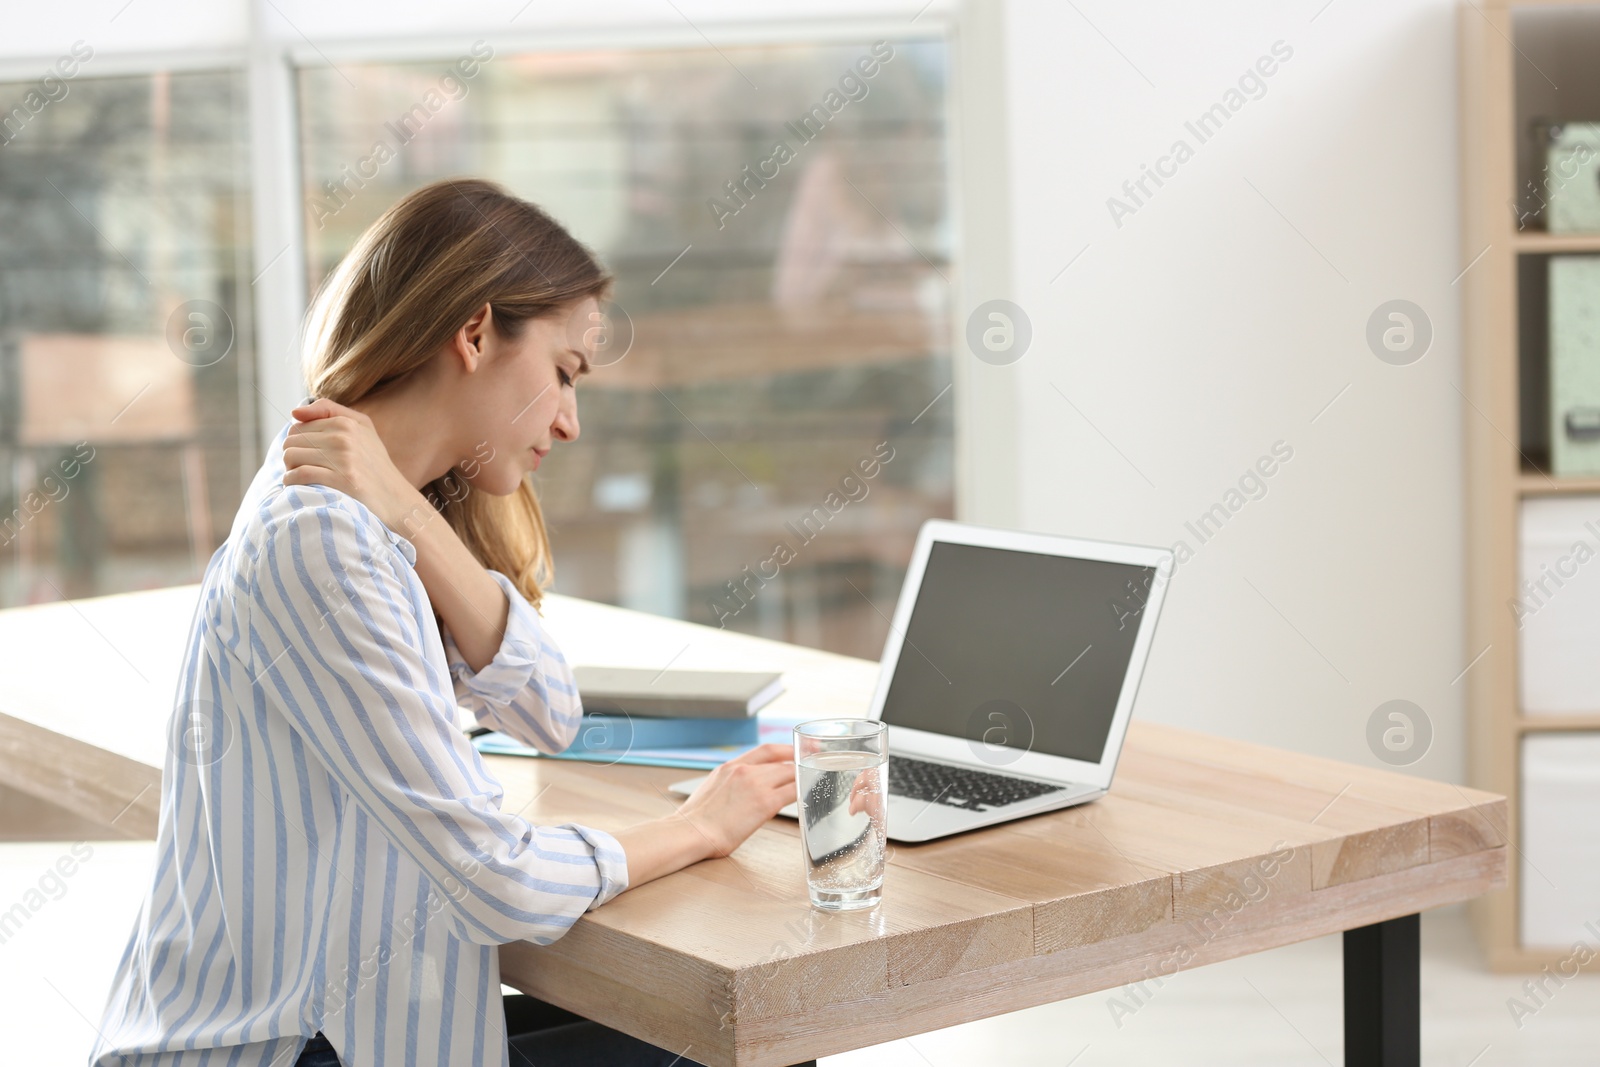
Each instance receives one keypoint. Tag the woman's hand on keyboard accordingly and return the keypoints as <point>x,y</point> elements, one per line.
<point>740,796</point>
<point>726,808</point>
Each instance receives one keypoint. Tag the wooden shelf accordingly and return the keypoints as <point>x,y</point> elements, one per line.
<point>1514,53</point>
<point>1524,960</point>
<point>1586,720</point>
<point>1530,483</point>
<point>1534,241</point>
<point>1505,5</point>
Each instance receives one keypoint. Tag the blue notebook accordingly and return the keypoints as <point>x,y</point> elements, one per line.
<point>618,733</point>
<point>620,740</point>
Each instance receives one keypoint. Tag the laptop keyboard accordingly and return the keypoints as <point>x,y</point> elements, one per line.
<point>960,787</point>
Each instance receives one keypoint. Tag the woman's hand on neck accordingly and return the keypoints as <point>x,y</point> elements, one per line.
<point>340,447</point>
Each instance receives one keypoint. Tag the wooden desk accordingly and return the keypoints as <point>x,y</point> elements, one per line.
<point>1205,850</point>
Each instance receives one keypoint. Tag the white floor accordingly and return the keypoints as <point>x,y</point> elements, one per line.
<point>1280,1008</point>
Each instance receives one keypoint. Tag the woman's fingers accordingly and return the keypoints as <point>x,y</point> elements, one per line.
<point>321,422</point>
<point>860,794</point>
<point>761,776</point>
<point>320,408</point>
<point>312,412</point>
<point>329,425</point>
<point>771,752</point>
<point>328,434</point>
<point>301,455</point>
<point>757,776</point>
<point>742,795</point>
<point>774,774</point>
<point>309,475</point>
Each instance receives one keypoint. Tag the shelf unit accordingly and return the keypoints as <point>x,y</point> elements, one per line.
<point>1509,50</point>
<point>1531,484</point>
<point>1531,723</point>
<point>1550,243</point>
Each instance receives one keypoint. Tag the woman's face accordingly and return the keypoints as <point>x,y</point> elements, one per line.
<point>524,398</point>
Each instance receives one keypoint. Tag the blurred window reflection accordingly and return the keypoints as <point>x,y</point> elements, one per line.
<point>127,427</point>
<point>763,455</point>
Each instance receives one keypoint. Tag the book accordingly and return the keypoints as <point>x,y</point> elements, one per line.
<point>619,733</point>
<point>1574,335</point>
<point>695,758</point>
<point>676,694</point>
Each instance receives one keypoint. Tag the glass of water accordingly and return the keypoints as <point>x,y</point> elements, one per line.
<point>840,766</point>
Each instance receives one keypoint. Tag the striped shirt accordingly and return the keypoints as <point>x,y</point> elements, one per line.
<point>331,853</point>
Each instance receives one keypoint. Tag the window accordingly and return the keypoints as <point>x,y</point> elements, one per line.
<point>126,396</point>
<point>763,455</point>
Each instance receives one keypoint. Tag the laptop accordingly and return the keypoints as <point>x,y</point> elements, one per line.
<point>1009,674</point>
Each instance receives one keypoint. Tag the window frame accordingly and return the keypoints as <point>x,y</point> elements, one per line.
<point>978,178</point>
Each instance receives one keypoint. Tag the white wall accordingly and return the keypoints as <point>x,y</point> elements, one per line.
<point>1209,326</point>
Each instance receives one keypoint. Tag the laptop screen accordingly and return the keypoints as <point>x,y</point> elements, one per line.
<point>1020,650</point>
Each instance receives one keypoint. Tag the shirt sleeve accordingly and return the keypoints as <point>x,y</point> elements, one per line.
<point>527,690</point>
<point>336,639</point>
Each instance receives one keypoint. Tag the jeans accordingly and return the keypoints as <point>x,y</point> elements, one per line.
<point>317,1053</point>
<point>543,1035</point>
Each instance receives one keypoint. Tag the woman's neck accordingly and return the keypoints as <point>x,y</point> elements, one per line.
<point>412,433</point>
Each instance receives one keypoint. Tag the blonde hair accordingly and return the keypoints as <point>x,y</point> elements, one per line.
<point>411,281</point>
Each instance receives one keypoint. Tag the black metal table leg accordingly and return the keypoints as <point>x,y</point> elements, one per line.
<point>1382,994</point>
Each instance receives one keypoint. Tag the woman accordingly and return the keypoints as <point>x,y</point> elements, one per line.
<point>334,873</point>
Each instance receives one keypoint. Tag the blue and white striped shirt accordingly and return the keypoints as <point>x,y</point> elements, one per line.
<point>331,853</point>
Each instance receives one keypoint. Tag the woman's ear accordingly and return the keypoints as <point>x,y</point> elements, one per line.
<point>468,343</point>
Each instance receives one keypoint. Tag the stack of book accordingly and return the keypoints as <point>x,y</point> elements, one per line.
<point>670,718</point>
